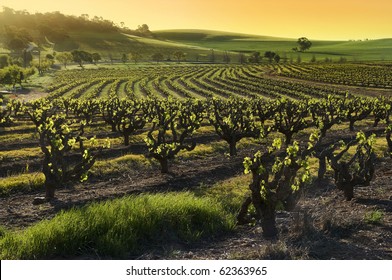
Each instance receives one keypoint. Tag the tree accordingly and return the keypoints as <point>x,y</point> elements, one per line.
<point>81,56</point>
<point>299,59</point>
<point>136,57</point>
<point>284,58</point>
<point>124,58</point>
<point>27,58</point>
<point>16,44</point>
<point>157,57</point>
<point>64,58</point>
<point>12,75</point>
<point>270,55</point>
<point>277,58</point>
<point>111,58</point>
<point>4,60</point>
<point>43,65</point>
<point>255,57</point>
<point>226,57</point>
<point>179,55</point>
<point>96,57</point>
<point>303,44</point>
<point>342,59</point>
<point>212,56</point>
<point>143,30</point>
<point>49,56</point>
<point>241,58</point>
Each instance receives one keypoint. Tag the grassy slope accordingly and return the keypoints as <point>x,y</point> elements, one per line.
<point>116,44</point>
<point>198,44</point>
<point>366,50</point>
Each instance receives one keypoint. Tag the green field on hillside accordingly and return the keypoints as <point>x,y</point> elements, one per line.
<point>351,50</point>
<point>197,45</point>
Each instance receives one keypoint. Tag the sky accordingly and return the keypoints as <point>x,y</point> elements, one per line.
<point>314,19</point>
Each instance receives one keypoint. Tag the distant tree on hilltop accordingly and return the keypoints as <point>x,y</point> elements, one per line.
<point>303,44</point>
<point>143,31</point>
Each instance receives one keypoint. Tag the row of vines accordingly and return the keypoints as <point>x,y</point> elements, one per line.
<point>279,168</point>
<point>375,76</point>
<point>181,82</point>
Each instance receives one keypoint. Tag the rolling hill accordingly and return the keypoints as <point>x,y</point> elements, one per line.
<point>99,35</point>
<point>352,50</point>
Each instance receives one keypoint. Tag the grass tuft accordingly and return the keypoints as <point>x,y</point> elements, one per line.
<point>120,165</point>
<point>22,183</point>
<point>119,228</point>
<point>230,193</point>
<point>374,217</point>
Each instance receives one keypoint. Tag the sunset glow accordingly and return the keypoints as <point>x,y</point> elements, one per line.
<point>316,19</point>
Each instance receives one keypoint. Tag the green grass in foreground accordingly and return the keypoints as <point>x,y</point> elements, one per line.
<point>230,192</point>
<point>119,228</point>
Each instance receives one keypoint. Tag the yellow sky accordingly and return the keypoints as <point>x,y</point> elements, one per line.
<point>315,19</point>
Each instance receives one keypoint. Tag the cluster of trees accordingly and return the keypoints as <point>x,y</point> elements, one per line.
<point>141,31</point>
<point>303,45</point>
<point>19,28</point>
<point>12,72</point>
<point>270,55</point>
<point>81,57</point>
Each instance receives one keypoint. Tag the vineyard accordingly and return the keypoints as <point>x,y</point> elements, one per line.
<point>200,161</point>
<point>375,76</point>
<point>181,82</point>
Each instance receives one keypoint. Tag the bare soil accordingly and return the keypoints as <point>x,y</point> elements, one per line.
<point>27,95</point>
